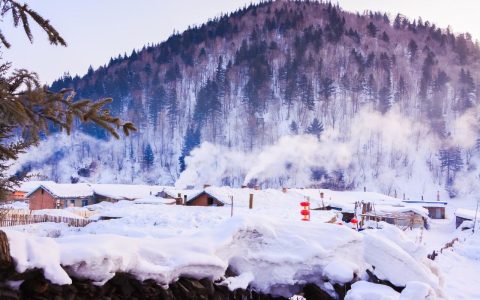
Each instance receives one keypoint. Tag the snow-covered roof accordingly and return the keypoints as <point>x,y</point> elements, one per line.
<point>173,192</point>
<point>28,186</point>
<point>427,203</point>
<point>346,200</point>
<point>64,190</point>
<point>154,200</point>
<point>465,213</point>
<point>126,191</point>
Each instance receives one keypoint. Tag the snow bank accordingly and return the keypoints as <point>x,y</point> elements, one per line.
<point>388,258</point>
<point>57,213</point>
<point>270,249</point>
<point>363,290</point>
<point>31,252</point>
<point>418,291</point>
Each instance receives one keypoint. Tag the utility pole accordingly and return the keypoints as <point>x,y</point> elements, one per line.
<point>475,220</point>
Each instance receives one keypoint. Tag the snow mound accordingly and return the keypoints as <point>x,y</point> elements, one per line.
<point>388,258</point>
<point>364,290</point>
<point>417,291</point>
<point>31,252</point>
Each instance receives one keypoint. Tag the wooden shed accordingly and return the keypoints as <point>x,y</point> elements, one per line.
<point>462,215</point>
<point>60,196</point>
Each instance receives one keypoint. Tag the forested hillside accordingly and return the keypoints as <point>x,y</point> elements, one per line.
<point>388,103</point>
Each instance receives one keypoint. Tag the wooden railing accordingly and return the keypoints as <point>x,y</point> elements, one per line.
<point>24,219</point>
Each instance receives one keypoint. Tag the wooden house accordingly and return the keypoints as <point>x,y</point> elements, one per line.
<point>50,196</point>
<point>436,209</point>
<point>404,219</point>
<point>204,199</point>
<point>191,197</point>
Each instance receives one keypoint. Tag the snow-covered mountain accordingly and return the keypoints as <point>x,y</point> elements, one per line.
<point>285,93</point>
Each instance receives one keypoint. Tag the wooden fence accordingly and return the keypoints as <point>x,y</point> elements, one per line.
<point>23,219</point>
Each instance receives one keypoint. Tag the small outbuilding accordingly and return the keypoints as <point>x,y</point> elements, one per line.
<point>50,196</point>
<point>436,209</point>
<point>462,215</point>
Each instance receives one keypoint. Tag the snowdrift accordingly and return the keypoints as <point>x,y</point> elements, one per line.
<point>268,248</point>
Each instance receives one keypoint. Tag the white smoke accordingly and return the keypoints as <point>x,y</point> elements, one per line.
<point>384,152</point>
<point>465,129</point>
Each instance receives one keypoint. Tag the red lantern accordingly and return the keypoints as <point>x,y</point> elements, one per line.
<point>305,203</point>
<point>305,212</point>
<point>354,221</point>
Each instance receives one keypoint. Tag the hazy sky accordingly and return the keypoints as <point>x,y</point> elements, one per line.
<point>96,30</point>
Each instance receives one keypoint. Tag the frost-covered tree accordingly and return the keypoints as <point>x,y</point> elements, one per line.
<point>451,162</point>
<point>315,128</point>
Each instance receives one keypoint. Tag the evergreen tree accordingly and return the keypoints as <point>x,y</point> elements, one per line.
<point>461,48</point>
<point>372,29</point>
<point>308,98</point>
<point>451,162</point>
<point>148,157</point>
<point>384,99</point>
<point>401,91</point>
<point>220,78</point>
<point>327,88</point>
<point>412,50</point>
<point>427,75</point>
<point>315,128</point>
<point>385,37</point>
<point>467,92</point>
<point>294,128</point>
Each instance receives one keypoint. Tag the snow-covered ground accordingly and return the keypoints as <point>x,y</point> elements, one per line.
<point>269,247</point>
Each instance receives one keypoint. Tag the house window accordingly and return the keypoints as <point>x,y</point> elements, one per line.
<point>210,201</point>
<point>84,202</point>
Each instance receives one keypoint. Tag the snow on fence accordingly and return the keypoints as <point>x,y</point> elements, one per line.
<point>23,219</point>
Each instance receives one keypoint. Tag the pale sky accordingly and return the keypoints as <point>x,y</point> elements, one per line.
<point>96,30</point>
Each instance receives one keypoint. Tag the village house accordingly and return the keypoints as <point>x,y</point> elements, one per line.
<point>191,197</point>
<point>204,199</point>
<point>118,192</point>
<point>436,209</point>
<point>54,195</point>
